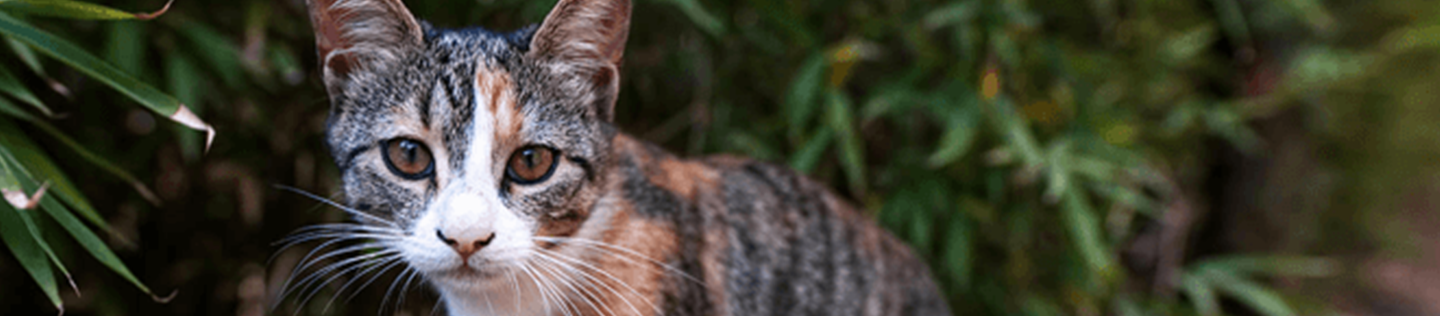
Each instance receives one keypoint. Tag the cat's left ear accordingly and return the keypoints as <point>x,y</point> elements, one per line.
<point>585,40</point>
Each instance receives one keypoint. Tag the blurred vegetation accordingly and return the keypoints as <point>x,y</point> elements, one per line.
<point>1048,157</point>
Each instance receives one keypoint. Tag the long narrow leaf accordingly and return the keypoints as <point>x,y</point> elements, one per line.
<point>86,238</point>
<point>28,252</point>
<point>12,86</point>
<point>77,10</point>
<point>83,61</point>
<point>36,161</point>
<point>1254,295</point>
<point>16,174</point>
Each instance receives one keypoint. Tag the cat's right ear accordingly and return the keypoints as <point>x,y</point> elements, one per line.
<point>353,36</point>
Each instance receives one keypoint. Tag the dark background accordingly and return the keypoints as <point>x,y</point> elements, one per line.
<point>1047,157</point>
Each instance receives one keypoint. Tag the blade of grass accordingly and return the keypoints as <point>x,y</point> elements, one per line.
<point>83,61</point>
<point>77,10</point>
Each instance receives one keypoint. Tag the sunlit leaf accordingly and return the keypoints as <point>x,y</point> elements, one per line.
<point>99,70</point>
<point>77,10</point>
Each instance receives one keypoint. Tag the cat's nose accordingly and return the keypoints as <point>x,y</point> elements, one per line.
<point>465,247</point>
<point>466,225</point>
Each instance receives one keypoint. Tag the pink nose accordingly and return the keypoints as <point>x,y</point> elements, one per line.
<point>465,247</point>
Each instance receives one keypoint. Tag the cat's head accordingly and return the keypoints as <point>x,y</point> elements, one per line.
<point>465,149</point>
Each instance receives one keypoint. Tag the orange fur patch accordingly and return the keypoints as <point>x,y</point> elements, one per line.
<point>499,90</point>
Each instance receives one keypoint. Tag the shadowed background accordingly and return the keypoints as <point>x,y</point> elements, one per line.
<point>1047,157</point>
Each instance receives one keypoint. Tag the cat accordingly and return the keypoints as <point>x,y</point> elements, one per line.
<point>486,164</point>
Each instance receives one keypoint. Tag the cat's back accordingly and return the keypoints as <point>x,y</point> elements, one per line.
<point>770,241</point>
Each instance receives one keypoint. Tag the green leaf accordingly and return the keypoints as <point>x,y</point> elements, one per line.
<point>1084,228</point>
<point>1252,294</point>
<point>27,250</point>
<point>958,12</point>
<point>26,55</point>
<point>852,158</point>
<point>805,159</point>
<point>962,124</point>
<point>1275,265</point>
<point>13,173</point>
<point>76,10</point>
<point>36,161</point>
<point>1202,296</point>
<point>800,98</point>
<point>217,50</point>
<point>12,86</point>
<point>76,57</point>
<point>86,238</point>
<point>958,255</point>
<point>702,18</point>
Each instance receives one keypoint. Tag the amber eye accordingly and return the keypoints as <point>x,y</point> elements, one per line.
<point>409,158</point>
<point>530,165</point>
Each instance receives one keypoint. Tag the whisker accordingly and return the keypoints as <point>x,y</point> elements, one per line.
<point>392,263</point>
<point>306,262</point>
<point>603,245</point>
<point>568,283</point>
<point>560,256</point>
<point>353,263</point>
<point>336,205</point>
<point>366,267</point>
<point>391,289</point>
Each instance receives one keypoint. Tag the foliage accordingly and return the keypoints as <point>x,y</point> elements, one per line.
<point>1031,151</point>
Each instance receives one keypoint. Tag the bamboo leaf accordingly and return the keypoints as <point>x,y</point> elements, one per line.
<point>1276,265</point>
<point>1084,228</point>
<point>28,252</point>
<point>12,173</point>
<point>702,18</point>
<point>12,86</point>
<point>86,238</point>
<point>77,10</point>
<point>852,159</point>
<point>1202,296</point>
<point>36,161</point>
<point>76,57</point>
<point>1254,295</point>
<point>805,159</point>
<point>800,98</point>
<point>961,127</point>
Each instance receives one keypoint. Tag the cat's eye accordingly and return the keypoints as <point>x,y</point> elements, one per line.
<point>408,158</point>
<point>531,164</point>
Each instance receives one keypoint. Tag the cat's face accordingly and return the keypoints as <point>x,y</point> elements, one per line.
<point>465,151</point>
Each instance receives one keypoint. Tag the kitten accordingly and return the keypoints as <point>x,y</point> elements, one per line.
<point>487,165</point>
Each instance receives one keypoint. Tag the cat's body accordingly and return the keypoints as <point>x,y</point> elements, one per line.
<point>486,164</point>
